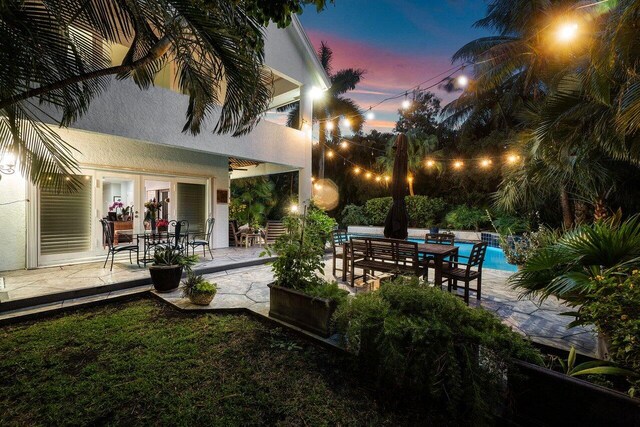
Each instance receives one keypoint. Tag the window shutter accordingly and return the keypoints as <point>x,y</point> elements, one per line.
<point>65,220</point>
<point>192,205</point>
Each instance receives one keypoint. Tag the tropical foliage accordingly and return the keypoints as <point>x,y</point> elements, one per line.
<point>52,65</point>
<point>566,268</point>
<point>332,106</point>
<point>251,200</point>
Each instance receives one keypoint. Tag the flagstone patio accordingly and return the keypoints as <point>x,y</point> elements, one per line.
<point>246,288</point>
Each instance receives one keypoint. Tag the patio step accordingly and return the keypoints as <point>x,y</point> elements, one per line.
<point>56,297</point>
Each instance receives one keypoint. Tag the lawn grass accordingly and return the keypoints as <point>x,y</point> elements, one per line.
<point>142,362</point>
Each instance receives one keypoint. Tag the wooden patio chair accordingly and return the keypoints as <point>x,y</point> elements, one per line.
<point>463,272</point>
<point>274,230</point>
<point>438,239</point>
<point>234,234</point>
<point>340,248</point>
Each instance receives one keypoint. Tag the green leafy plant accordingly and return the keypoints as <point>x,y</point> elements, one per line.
<point>168,256</point>
<point>425,211</point>
<point>300,251</point>
<point>613,306</point>
<point>424,348</point>
<point>467,218</point>
<point>251,200</point>
<point>353,215</point>
<point>566,267</point>
<point>197,285</point>
<point>377,209</point>
<point>328,290</point>
<point>594,367</point>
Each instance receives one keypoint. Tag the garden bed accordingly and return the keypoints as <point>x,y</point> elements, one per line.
<point>144,363</point>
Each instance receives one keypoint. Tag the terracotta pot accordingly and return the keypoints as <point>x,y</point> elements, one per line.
<point>201,299</point>
<point>301,310</point>
<point>165,278</point>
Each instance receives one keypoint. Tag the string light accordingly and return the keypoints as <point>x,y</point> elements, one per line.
<point>356,170</point>
<point>463,81</point>
<point>567,31</point>
<point>458,164</point>
<point>346,122</point>
<point>387,178</point>
<point>294,208</point>
<point>330,154</point>
<point>430,163</point>
<point>512,158</point>
<point>370,115</point>
<point>329,126</point>
<point>367,175</point>
<point>344,144</point>
<point>406,104</point>
<point>378,178</point>
<point>485,163</point>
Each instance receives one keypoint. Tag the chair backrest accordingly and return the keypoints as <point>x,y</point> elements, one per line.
<point>210,224</point>
<point>389,251</point>
<point>180,231</point>
<point>108,232</point>
<point>440,238</point>
<point>339,238</point>
<point>274,230</point>
<point>233,233</point>
<point>476,257</point>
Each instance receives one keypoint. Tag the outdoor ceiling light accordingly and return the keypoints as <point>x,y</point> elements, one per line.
<point>8,162</point>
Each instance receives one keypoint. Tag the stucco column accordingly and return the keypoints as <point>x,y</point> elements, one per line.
<point>306,112</point>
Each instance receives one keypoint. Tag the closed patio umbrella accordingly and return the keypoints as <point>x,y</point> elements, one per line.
<point>395,226</point>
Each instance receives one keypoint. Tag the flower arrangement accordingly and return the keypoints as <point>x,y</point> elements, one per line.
<point>153,205</point>
<point>115,206</point>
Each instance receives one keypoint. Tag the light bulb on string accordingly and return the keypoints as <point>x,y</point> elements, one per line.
<point>356,170</point>
<point>346,122</point>
<point>367,175</point>
<point>512,159</point>
<point>293,208</point>
<point>328,126</point>
<point>567,31</point>
<point>463,81</point>
<point>370,115</point>
<point>330,154</point>
<point>458,164</point>
<point>406,104</point>
<point>344,144</point>
<point>485,163</point>
<point>387,178</point>
<point>378,178</point>
<point>430,163</point>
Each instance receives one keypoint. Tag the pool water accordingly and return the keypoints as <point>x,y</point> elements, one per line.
<point>493,259</point>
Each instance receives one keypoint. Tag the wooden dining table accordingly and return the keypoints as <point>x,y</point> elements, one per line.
<point>439,253</point>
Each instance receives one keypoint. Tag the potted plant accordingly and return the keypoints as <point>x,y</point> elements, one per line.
<point>162,225</point>
<point>198,290</point>
<point>298,295</point>
<point>168,265</point>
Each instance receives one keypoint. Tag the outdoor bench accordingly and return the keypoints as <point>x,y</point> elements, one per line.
<point>384,255</point>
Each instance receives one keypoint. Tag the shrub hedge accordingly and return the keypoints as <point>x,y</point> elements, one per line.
<point>426,350</point>
<point>423,211</point>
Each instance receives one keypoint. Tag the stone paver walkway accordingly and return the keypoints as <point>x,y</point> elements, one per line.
<point>542,323</point>
<point>19,284</point>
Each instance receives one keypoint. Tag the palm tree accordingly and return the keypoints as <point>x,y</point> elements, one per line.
<point>420,145</point>
<point>51,54</point>
<point>332,106</point>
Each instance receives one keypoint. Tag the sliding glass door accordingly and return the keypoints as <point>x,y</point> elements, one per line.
<point>192,205</point>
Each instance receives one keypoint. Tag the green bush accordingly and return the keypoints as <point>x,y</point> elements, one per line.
<point>353,215</point>
<point>377,209</point>
<point>300,251</point>
<point>427,350</point>
<point>613,306</point>
<point>425,212</point>
<point>467,218</point>
<point>510,224</point>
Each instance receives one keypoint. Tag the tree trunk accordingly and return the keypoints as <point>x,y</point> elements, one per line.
<point>582,212</point>
<point>600,211</point>
<point>323,140</point>
<point>567,214</point>
<point>411,187</point>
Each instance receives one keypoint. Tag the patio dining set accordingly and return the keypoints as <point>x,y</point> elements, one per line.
<point>177,236</point>
<point>370,255</point>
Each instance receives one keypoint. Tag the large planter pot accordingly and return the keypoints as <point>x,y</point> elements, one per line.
<point>301,310</point>
<point>165,278</point>
<point>541,396</point>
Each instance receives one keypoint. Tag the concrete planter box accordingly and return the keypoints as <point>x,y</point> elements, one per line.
<point>301,310</point>
<point>541,396</point>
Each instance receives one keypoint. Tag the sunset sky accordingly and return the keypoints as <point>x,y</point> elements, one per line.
<point>400,43</point>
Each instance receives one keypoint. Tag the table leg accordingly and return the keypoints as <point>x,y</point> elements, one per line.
<point>438,271</point>
<point>344,263</point>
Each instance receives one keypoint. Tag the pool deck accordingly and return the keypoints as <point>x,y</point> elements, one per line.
<point>243,286</point>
